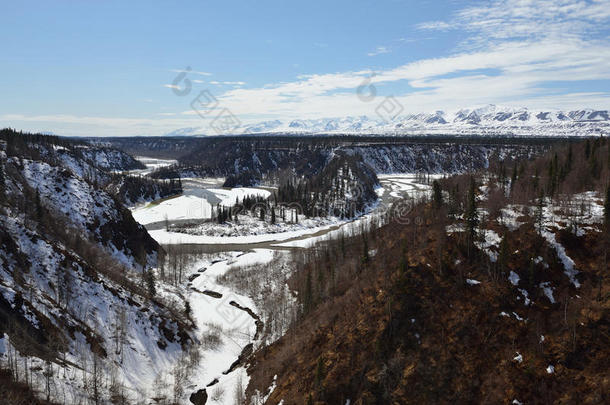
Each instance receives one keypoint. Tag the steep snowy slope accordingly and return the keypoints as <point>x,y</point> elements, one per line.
<point>90,210</point>
<point>108,158</point>
<point>80,317</point>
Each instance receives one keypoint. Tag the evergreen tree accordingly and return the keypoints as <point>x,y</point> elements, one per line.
<point>150,283</point>
<point>540,213</point>
<point>38,206</point>
<point>2,183</point>
<point>513,178</point>
<point>320,373</point>
<point>308,299</point>
<point>502,176</point>
<point>587,149</point>
<point>531,273</point>
<point>272,215</point>
<point>365,250</point>
<point>503,255</point>
<point>187,308</point>
<point>551,177</point>
<point>404,266</point>
<point>607,209</point>
<point>471,215</point>
<point>437,194</point>
<point>594,166</point>
<point>568,164</point>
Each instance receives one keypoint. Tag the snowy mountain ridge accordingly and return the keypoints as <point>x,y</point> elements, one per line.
<point>486,120</point>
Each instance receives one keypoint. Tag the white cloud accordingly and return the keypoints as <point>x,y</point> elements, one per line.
<point>501,20</point>
<point>516,46</point>
<point>379,50</point>
<point>434,25</point>
<point>228,83</point>
<point>189,70</point>
<point>511,72</point>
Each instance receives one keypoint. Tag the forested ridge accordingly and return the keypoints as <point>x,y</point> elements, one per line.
<point>251,160</point>
<point>493,290</point>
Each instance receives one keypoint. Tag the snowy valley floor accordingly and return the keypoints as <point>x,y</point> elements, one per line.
<point>224,310</point>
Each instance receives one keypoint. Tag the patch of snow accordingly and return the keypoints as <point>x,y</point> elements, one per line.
<point>509,216</point>
<point>568,263</point>
<point>490,244</point>
<point>517,317</point>
<point>525,296</point>
<point>548,291</point>
<point>453,228</point>
<point>262,397</point>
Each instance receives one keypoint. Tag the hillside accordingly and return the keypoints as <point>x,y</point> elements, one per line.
<point>79,316</point>
<point>254,158</point>
<point>495,290</point>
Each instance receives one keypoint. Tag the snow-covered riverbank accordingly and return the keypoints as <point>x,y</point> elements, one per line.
<point>225,327</point>
<point>226,316</point>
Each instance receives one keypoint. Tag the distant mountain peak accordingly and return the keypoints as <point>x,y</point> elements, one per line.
<point>490,119</point>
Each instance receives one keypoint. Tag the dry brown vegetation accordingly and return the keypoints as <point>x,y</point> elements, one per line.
<point>403,326</point>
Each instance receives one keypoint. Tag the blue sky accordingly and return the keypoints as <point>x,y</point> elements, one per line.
<point>109,68</point>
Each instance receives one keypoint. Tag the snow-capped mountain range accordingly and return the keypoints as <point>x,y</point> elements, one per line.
<point>488,120</point>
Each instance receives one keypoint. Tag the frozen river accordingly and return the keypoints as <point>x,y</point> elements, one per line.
<point>219,308</point>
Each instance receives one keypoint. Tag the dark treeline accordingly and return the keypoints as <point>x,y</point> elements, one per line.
<point>132,189</point>
<point>343,188</point>
<point>178,146</point>
<point>245,160</point>
<point>255,204</point>
<point>33,146</point>
<point>566,169</point>
<point>166,172</point>
<point>49,148</point>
